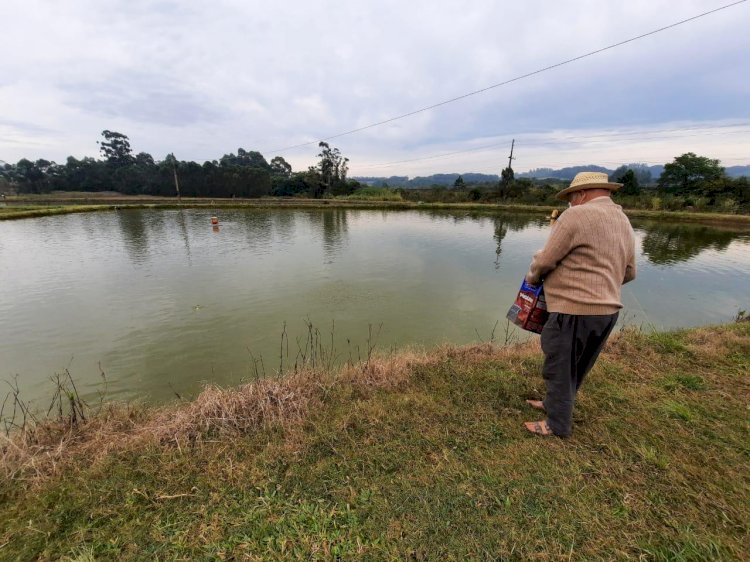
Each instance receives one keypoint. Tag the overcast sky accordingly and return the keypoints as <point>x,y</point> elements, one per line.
<point>201,79</point>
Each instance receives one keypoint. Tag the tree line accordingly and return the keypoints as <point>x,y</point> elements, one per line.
<point>244,174</point>
<point>690,181</point>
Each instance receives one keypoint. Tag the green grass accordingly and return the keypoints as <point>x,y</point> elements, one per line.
<point>680,381</point>
<point>667,342</point>
<point>373,194</point>
<point>434,467</point>
<point>32,211</point>
<point>678,410</point>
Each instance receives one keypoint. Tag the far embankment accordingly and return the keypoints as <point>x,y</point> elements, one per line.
<point>29,206</point>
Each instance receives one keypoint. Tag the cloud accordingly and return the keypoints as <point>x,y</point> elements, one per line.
<point>141,98</point>
<point>202,79</point>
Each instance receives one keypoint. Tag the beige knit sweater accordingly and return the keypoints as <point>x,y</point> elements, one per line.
<point>590,254</point>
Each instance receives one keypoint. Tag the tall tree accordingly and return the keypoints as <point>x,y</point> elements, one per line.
<point>689,172</point>
<point>333,168</point>
<point>506,182</point>
<point>30,175</point>
<point>313,179</point>
<point>144,159</point>
<point>252,158</point>
<point>629,182</point>
<point>116,148</point>
<point>280,167</point>
<point>244,158</point>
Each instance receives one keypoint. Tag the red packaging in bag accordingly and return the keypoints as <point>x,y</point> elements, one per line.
<point>529,312</point>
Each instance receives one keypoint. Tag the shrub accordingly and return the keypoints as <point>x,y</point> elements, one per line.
<point>373,194</point>
<point>729,205</point>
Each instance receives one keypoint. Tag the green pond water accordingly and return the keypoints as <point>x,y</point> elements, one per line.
<point>162,302</point>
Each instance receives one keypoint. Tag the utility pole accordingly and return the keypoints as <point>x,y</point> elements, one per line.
<point>176,182</point>
<point>510,158</point>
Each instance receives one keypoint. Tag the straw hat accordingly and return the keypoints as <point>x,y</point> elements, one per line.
<point>589,180</point>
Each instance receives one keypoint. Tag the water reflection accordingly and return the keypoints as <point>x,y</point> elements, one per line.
<point>502,225</point>
<point>257,226</point>
<point>668,244</point>
<point>133,228</point>
<point>184,233</point>
<point>284,224</point>
<point>334,229</point>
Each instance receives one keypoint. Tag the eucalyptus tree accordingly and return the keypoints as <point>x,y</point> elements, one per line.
<point>333,168</point>
<point>115,148</point>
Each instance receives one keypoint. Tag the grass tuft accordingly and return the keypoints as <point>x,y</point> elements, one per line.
<point>667,342</point>
<point>678,410</point>
<point>650,455</point>
<point>680,381</point>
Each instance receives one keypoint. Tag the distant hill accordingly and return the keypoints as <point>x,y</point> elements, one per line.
<point>656,170</point>
<point>570,172</point>
<point>424,182</point>
<point>447,180</point>
<point>738,171</point>
<point>563,173</point>
<point>376,181</point>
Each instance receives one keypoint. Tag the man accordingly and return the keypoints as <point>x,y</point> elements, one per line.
<point>590,254</point>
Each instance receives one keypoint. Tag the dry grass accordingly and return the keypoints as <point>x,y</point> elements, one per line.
<point>45,448</point>
<point>221,412</point>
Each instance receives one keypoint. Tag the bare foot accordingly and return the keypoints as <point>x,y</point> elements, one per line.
<point>538,427</point>
<point>536,404</point>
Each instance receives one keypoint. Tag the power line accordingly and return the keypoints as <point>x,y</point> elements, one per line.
<point>634,135</point>
<point>644,135</point>
<point>511,80</point>
<point>491,166</point>
<point>650,131</point>
<point>534,144</point>
<point>492,169</point>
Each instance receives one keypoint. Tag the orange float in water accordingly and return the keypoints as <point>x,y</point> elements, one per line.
<point>214,220</point>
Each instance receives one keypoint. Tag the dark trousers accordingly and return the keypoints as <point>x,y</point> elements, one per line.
<point>571,344</point>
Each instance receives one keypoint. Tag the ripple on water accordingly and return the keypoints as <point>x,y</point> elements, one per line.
<point>121,289</point>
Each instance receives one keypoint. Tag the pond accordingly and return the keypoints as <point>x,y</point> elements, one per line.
<point>161,301</point>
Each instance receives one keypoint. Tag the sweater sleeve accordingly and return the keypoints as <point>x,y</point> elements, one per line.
<point>558,246</point>
<point>630,269</point>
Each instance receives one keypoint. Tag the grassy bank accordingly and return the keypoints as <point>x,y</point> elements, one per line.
<point>56,207</point>
<point>415,456</point>
<point>39,207</point>
<point>32,211</point>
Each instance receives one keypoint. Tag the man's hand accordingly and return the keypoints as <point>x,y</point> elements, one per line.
<point>534,276</point>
